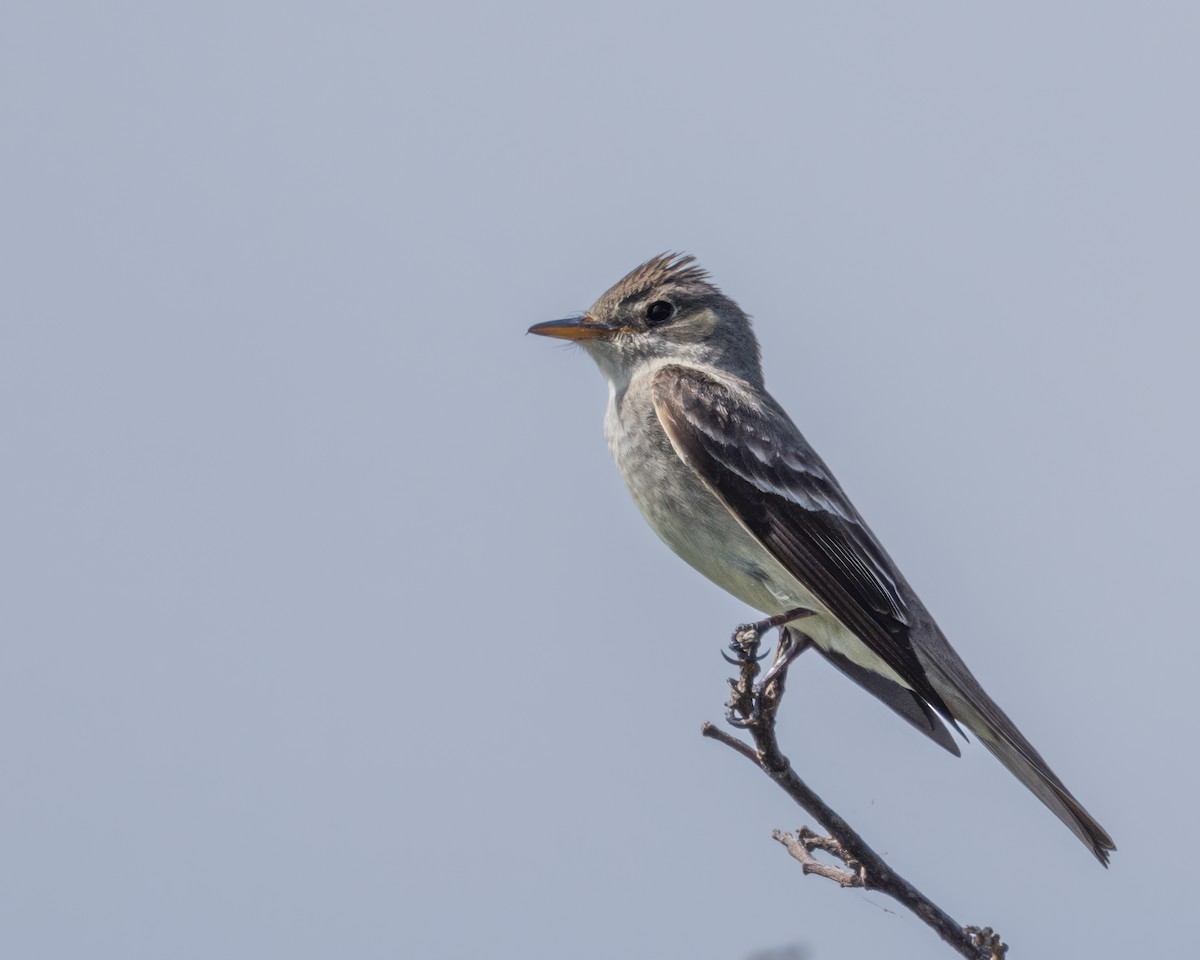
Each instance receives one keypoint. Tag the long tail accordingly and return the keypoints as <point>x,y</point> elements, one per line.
<point>980,713</point>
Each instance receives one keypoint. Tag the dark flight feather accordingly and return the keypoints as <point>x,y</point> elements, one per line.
<point>903,701</point>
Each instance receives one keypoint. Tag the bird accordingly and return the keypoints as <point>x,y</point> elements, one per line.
<point>726,479</point>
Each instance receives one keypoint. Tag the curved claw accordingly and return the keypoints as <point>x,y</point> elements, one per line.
<point>738,660</point>
<point>741,722</point>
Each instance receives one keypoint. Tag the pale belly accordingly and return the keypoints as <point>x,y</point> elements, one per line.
<point>690,520</point>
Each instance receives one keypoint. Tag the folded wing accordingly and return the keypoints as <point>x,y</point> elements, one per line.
<point>755,460</point>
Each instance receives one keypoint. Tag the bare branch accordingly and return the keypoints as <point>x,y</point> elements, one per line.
<point>754,708</point>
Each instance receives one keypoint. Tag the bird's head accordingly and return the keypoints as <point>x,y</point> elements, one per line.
<point>664,310</point>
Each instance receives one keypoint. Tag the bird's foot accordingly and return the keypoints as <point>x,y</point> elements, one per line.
<point>744,708</point>
<point>746,636</point>
<point>744,644</point>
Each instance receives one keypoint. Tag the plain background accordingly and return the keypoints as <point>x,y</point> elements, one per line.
<point>328,629</point>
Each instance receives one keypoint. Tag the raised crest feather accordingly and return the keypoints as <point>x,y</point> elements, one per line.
<point>675,268</point>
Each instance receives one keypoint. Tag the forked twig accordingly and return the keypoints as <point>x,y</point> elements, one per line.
<point>754,708</point>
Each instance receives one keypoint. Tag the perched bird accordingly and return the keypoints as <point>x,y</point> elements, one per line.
<point>726,479</point>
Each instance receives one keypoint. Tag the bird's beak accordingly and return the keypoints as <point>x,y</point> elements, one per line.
<point>574,328</point>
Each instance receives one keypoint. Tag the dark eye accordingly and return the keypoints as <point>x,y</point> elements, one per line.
<point>659,312</point>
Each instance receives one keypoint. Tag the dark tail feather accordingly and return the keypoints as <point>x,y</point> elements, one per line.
<point>906,703</point>
<point>973,707</point>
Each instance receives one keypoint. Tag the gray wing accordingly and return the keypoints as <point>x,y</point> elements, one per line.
<point>758,464</point>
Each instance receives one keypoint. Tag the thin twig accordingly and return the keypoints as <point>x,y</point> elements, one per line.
<point>754,709</point>
<point>798,846</point>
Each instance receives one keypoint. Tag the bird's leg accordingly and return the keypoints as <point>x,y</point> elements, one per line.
<point>792,643</point>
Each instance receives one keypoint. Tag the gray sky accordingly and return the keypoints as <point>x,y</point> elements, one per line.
<point>328,629</point>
